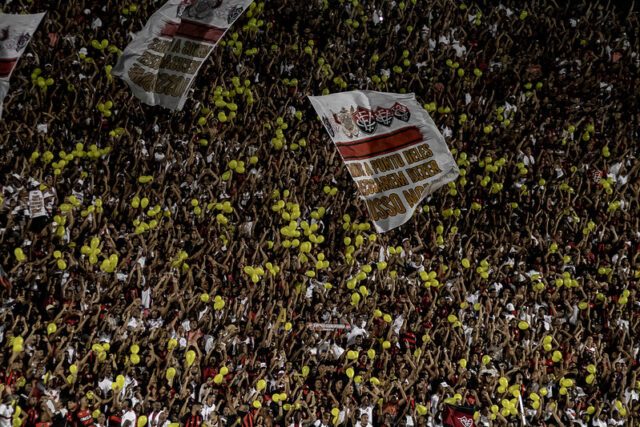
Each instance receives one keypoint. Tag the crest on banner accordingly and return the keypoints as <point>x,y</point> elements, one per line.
<point>365,120</point>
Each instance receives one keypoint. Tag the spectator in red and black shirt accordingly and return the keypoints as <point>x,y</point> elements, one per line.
<point>194,419</point>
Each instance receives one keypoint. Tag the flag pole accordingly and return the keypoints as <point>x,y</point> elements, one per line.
<point>524,420</point>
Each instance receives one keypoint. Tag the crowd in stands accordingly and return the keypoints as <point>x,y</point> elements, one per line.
<point>203,269</point>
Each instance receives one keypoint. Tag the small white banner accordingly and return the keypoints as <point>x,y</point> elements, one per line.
<point>36,204</point>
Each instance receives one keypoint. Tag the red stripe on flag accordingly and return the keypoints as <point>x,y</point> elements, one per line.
<point>6,66</point>
<point>170,29</point>
<point>380,144</point>
<point>193,30</point>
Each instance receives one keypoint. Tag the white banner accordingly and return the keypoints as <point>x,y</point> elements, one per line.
<point>392,149</point>
<point>162,61</point>
<point>15,34</point>
<point>36,204</point>
<point>328,326</point>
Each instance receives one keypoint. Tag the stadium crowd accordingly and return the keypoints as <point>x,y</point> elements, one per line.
<point>215,266</point>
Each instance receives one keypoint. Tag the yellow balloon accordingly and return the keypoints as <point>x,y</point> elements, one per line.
<point>135,349</point>
<point>218,379</point>
<point>135,359</point>
<point>261,385</point>
<point>73,369</point>
<point>190,357</point>
<point>523,325</point>
<point>142,421</point>
<point>350,372</point>
<point>120,380</point>
<point>51,328</point>
<point>463,363</point>
<point>171,373</point>
<point>224,370</point>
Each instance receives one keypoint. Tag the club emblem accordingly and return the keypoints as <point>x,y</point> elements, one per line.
<point>201,9</point>
<point>345,119</point>
<point>328,126</point>
<point>466,422</point>
<point>11,41</point>
<point>234,13</point>
<point>365,120</point>
<point>384,116</point>
<point>401,112</point>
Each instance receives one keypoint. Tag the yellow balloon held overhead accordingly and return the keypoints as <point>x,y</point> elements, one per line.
<point>171,373</point>
<point>522,325</point>
<point>190,357</point>
<point>51,328</point>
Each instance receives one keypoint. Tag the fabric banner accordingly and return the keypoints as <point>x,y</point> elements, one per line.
<point>458,416</point>
<point>162,61</point>
<point>15,34</point>
<point>36,204</point>
<point>392,149</point>
<point>328,326</point>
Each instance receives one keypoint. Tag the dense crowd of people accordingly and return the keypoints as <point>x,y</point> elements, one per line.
<point>195,268</point>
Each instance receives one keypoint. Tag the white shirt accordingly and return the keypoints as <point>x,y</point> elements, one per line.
<point>6,412</point>
<point>129,416</point>
<point>153,419</point>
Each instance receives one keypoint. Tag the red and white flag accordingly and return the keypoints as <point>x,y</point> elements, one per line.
<point>162,61</point>
<point>391,147</point>
<point>458,416</point>
<point>15,34</point>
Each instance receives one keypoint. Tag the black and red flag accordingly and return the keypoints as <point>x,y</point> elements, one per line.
<point>458,416</point>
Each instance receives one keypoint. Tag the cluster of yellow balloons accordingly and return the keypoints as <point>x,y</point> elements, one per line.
<point>105,108</point>
<point>179,260</point>
<point>93,250</point>
<point>218,303</point>
<point>134,357</point>
<point>109,265</point>
<point>101,350</point>
<point>40,81</point>
<point>430,280</point>
<point>254,273</point>
<point>483,269</point>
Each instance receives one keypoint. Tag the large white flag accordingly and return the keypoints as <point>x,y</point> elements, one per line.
<point>162,61</point>
<point>391,147</point>
<point>15,34</point>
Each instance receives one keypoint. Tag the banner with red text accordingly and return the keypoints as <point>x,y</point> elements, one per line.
<point>15,34</point>
<point>161,63</point>
<point>392,149</point>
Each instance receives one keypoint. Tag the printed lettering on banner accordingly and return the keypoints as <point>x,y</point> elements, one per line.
<point>161,63</point>
<point>36,204</point>
<point>392,149</point>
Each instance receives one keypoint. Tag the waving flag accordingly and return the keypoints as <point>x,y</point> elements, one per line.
<point>392,149</point>
<point>162,61</point>
<point>458,416</point>
<point>15,34</point>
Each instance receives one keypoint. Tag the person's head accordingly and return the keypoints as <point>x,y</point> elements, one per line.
<point>364,419</point>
